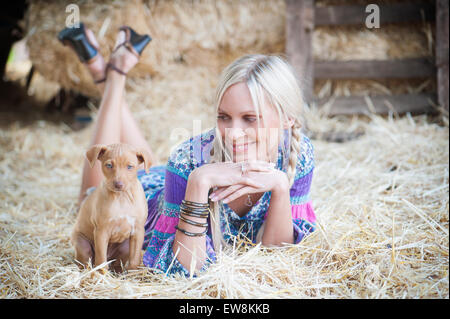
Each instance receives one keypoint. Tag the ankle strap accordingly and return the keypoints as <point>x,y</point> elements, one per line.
<point>127,44</point>
<point>112,66</point>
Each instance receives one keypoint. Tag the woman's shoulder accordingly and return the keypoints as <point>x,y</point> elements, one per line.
<point>191,153</point>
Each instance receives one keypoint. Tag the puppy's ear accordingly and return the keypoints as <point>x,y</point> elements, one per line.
<point>94,153</point>
<point>143,156</point>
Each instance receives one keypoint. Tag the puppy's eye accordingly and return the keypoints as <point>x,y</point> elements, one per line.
<point>130,166</point>
<point>108,165</point>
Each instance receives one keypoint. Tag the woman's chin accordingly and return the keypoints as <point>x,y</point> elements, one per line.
<point>244,157</point>
<point>249,154</point>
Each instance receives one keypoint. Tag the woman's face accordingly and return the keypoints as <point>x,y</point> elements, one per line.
<point>238,126</point>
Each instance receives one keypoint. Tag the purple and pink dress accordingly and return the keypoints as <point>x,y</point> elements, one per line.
<point>165,187</point>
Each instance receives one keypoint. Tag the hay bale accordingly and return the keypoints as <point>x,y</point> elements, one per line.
<point>58,63</point>
<point>200,33</point>
<point>389,42</point>
<point>208,35</point>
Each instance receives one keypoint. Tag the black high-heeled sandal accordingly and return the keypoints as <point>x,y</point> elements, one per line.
<point>77,38</point>
<point>134,42</point>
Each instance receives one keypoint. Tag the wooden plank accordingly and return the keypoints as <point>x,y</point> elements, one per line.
<point>443,86</point>
<point>382,104</point>
<point>299,32</point>
<point>389,13</point>
<point>375,69</point>
<point>442,52</point>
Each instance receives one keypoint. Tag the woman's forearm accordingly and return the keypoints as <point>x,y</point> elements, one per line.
<point>278,225</point>
<point>196,191</point>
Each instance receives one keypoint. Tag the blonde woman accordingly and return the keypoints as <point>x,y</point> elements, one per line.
<point>248,176</point>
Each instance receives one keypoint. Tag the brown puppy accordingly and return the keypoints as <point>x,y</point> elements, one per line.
<point>110,222</point>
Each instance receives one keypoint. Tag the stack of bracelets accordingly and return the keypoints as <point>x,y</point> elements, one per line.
<point>193,209</point>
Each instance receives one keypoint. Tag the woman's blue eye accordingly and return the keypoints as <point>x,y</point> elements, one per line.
<point>129,167</point>
<point>108,165</point>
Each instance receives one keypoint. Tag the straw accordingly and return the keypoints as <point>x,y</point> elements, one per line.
<point>382,232</point>
<point>381,200</point>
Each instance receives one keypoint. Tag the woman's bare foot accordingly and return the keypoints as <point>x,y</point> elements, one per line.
<point>97,66</point>
<point>121,58</point>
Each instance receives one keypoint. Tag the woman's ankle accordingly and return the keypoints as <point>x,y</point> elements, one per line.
<point>97,68</point>
<point>115,79</point>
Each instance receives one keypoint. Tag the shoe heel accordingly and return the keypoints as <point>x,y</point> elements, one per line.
<point>76,37</point>
<point>139,42</point>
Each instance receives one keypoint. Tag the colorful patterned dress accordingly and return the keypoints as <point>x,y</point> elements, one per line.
<point>165,187</point>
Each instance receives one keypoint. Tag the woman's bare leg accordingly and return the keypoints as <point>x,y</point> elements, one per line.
<point>107,127</point>
<point>108,123</point>
<point>130,132</point>
<point>129,129</point>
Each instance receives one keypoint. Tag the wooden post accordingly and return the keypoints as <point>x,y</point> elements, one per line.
<point>442,52</point>
<point>299,33</point>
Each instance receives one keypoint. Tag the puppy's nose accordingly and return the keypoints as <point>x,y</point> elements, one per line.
<point>118,185</point>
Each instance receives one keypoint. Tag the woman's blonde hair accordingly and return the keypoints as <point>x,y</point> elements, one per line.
<point>267,77</point>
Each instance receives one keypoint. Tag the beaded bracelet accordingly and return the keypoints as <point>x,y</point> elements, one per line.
<point>194,223</point>
<point>187,233</point>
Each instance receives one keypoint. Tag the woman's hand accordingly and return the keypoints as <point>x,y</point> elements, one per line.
<point>272,180</point>
<point>230,173</point>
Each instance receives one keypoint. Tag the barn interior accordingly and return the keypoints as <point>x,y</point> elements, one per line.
<point>381,140</point>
